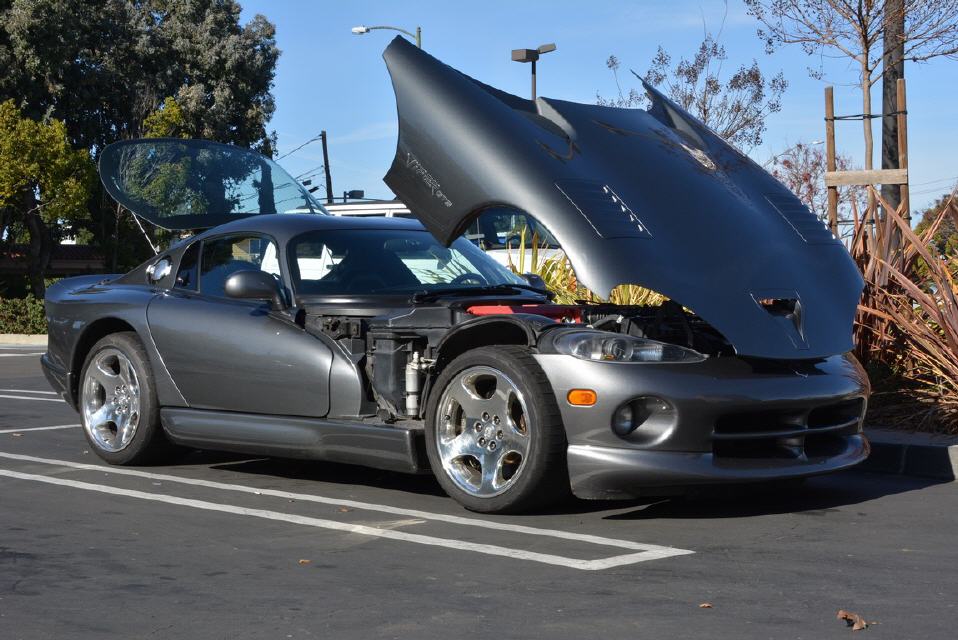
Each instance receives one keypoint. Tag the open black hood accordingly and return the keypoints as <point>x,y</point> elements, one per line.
<point>642,197</point>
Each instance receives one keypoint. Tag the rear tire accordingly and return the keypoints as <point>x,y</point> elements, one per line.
<point>494,435</point>
<point>118,405</point>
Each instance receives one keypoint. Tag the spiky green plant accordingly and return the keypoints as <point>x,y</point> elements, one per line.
<point>557,272</point>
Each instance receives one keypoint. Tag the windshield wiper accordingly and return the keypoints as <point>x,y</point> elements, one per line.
<point>509,289</point>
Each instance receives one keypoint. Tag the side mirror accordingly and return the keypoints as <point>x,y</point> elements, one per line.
<point>255,285</point>
<point>159,269</point>
<point>535,280</point>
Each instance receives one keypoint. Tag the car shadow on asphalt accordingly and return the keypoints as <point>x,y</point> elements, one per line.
<point>334,473</point>
<point>816,497</point>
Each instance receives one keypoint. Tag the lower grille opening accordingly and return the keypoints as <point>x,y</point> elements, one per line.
<point>836,414</point>
<point>758,422</point>
<point>787,433</point>
<point>823,445</point>
<point>763,448</point>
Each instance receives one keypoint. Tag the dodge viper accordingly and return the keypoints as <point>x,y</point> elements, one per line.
<point>399,344</point>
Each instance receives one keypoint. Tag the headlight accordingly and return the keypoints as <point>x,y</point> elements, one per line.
<point>605,346</point>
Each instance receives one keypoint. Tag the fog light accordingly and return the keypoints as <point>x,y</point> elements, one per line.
<point>637,412</point>
<point>623,420</point>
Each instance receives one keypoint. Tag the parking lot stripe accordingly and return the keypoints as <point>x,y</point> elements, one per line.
<point>31,398</point>
<point>650,551</point>
<point>20,355</point>
<point>46,393</point>
<point>59,426</point>
<point>494,550</point>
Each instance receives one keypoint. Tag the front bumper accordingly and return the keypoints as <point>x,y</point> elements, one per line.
<point>58,377</point>
<point>728,420</point>
<point>604,473</point>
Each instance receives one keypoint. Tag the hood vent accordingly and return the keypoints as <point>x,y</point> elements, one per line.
<point>797,215</point>
<point>608,214</point>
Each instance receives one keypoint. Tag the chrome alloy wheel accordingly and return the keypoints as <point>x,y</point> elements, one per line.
<point>110,400</point>
<point>482,431</point>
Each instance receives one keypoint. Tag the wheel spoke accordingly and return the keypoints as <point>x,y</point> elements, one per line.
<point>107,379</point>
<point>102,416</point>
<point>123,430</point>
<point>125,376</point>
<point>472,405</point>
<point>464,445</point>
<point>491,479</point>
<point>514,441</point>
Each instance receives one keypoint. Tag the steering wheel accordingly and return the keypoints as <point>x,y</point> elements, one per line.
<point>468,278</point>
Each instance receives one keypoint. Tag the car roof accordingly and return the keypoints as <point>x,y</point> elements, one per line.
<point>283,226</point>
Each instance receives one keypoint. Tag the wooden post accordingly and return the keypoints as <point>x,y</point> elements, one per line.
<point>830,158</point>
<point>903,147</point>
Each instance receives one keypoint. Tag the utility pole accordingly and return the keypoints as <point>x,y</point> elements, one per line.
<point>893,68</point>
<point>329,177</point>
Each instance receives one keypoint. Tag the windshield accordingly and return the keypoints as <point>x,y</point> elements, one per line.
<point>197,184</point>
<point>384,261</point>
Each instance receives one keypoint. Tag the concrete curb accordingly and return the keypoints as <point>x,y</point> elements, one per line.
<point>22,339</point>
<point>925,455</point>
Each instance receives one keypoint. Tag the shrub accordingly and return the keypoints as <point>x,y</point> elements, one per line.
<point>907,326</point>
<point>22,315</point>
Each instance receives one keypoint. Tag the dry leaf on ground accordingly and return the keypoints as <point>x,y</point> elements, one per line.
<point>853,620</point>
<point>705,605</point>
<point>304,561</point>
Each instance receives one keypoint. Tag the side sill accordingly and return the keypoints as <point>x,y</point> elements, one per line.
<point>378,446</point>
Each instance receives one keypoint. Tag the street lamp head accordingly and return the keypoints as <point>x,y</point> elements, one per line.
<point>360,30</point>
<point>546,48</point>
<point>525,55</point>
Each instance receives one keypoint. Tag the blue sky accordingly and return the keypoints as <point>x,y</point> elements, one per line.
<point>328,78</point>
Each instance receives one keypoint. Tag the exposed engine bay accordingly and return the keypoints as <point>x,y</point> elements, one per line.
<point>398,351</point>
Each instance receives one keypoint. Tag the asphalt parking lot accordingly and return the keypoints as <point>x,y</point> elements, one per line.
<point>224,546</point>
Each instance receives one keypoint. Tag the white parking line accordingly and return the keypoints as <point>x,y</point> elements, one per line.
<point>59,426</point>
<point>645,551</point>
<point>31,398</point>
<point>20,355</point>
<point>46,393</point>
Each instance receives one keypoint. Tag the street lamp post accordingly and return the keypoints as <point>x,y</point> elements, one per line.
<point>361,29</point>
<point>531,55</point>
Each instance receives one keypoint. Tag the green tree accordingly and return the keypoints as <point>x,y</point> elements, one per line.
<point>104,68</point>
<point>945,240</point>
<point>44,186</point>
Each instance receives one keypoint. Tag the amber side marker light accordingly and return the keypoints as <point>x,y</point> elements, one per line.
<point>582,397</point>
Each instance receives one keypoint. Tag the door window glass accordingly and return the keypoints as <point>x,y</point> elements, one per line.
<point>186,275</point>
<point>222,257</point>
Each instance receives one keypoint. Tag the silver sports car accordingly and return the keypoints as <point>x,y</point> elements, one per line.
<point>400,345</point>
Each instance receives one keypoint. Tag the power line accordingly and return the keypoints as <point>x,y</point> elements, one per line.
<point>316,168</point>
<point>318,136</point>
<point>919,184</point>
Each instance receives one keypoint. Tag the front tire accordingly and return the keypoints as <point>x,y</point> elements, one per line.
<point>118,405</point>
<point>494,435</point>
